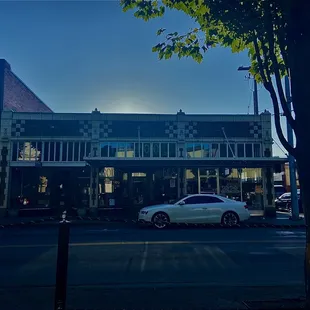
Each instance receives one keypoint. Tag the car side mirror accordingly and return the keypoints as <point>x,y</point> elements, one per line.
<point>182,203</point>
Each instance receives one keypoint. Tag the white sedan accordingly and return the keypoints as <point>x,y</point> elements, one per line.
<point>196,209</point>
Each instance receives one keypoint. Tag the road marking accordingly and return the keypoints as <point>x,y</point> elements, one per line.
<point>144,256</point>
<point>226,260</point>
<point>202,257</point>
<point>212,254</point>
<point>104,230</point>
<point>80,244</point>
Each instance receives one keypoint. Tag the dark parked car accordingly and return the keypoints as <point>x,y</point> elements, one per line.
<point>284,202</point>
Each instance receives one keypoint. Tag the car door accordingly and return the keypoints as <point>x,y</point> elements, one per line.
<point>214,207</point>
<point>192,211</point>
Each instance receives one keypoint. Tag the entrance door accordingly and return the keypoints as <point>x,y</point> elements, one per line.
<point>139,188</point>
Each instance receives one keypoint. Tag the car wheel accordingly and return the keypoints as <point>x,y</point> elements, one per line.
<point>160,220</point>
<point>230,219</point>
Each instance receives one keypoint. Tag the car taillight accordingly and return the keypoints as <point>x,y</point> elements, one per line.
<point>246,207</point>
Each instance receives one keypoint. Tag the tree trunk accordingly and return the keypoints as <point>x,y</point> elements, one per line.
<point>299,46</point>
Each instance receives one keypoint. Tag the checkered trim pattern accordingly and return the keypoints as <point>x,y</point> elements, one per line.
<point>105,129</point>
<point>4,175</point>
<point>171,129</point>
<point>18,127</point>
<point>85,129</point>
<point>190,130</point>
<point>256,130</point>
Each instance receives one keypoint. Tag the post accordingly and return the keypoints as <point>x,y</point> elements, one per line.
<point>291,159</point>
<point>241,189</point>
<point>199,181</point>
<point>62,264</point>
<point>255,98</point>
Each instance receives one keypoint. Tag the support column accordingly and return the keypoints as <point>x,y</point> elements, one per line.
<point>94,184</point>
<point>218,189</point>
<point>268,193</point>
<point>199,181</point>
<point>181,182</point>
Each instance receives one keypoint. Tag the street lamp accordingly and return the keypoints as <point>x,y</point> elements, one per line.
<point>255,93</point>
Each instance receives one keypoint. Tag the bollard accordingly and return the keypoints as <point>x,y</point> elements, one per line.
<point>62,263</point>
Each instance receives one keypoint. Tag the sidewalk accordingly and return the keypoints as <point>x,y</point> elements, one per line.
<point>157,298</point>
<point>257,219</point>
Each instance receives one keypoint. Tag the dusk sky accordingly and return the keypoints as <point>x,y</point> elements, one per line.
<point>78,56</point>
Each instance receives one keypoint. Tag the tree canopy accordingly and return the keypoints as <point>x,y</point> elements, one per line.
<point>262,27</point>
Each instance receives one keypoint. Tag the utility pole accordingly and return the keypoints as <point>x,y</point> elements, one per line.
<point>291,159</point>
<point>255,92</point>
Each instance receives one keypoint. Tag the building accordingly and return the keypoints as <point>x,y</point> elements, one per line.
<point>97,160</point>
<point>15,95</point>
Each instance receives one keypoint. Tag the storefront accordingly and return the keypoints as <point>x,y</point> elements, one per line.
<point>98,161</point>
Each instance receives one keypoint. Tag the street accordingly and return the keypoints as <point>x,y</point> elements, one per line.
<point>107,261</point>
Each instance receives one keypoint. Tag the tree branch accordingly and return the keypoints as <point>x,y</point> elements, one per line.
<point>269,86</point>
<point>283,101</point>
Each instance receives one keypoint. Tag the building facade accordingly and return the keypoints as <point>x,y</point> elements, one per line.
<point>15,95</point>
<point>95,161</point>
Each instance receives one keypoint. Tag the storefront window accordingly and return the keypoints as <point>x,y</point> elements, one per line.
<point>192,181</point>
<point>46,147</point>
<point>104,149</point>
<point>121,150</point>
<point>257,150</point>
<point>83,151</point>
<point>14,151</point>
<point>112,149</point>
<point>172,150</point>
<point>57,152</point>
<point>240,150</point>
<point>215,150</point>
<point>32,151</point>
<point>231,150</point>
<point>138,150</point>
<point>206,150</point>
<point>146,150</point>
<point>197,150</point>
<point>223,150</point>
<point>248,150</point>
<point>52,151</point>
<point>164,150</point>
<point>155,149</point>
<point>130,150</point>
<point>190,150</point>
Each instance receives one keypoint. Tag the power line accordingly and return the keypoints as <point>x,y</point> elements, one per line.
<point>279,147</point>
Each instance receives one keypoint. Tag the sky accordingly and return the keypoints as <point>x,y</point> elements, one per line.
<point>78,56</point>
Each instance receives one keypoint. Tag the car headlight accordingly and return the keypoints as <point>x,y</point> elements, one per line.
<point>144,212</point>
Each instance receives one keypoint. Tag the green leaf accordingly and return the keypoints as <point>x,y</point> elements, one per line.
<point>160,31</point>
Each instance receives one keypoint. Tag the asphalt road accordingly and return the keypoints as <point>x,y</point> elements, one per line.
<point>106,262</point>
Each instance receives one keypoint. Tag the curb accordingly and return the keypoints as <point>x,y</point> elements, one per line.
<point>99,220</point>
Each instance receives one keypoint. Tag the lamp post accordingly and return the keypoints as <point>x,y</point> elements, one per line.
<point>255,93</point>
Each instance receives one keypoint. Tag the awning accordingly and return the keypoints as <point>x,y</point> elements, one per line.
<point>186,162</point>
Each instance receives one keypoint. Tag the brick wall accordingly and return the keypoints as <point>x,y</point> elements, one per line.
<point>17,96</point>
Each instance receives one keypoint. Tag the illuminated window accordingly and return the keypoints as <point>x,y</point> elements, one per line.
<point>206,150</point>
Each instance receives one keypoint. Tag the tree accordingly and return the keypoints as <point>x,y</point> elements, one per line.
<point>276,34</point>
